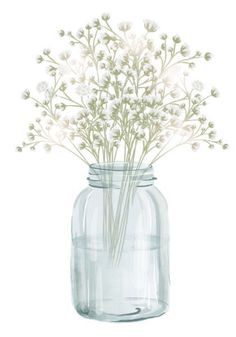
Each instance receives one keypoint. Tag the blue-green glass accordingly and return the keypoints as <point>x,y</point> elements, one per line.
<point>119,267</point>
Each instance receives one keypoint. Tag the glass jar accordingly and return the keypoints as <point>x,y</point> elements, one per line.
<point>119,260</point>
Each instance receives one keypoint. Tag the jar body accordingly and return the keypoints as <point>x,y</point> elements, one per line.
<point>137,286</point>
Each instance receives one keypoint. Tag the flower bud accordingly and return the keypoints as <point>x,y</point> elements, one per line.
<point>26,94</point>
<point>61,32</point>
<point>163,36</point>
<point>105,16</point>
<point>46,51</point>
<point>195,146</point>
<point>208,56</point>
<point>214,92</point>
<point>176,39</point>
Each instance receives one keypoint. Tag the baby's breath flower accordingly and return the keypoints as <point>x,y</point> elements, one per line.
<point>46,51</point>
<point>80,33</point>
<point>128,90</point>
<point>64,69</point>
<point>163,36</point>
<point>225,146</point>
<point>88,26</point>
<point>61,32</point>
<point>202,119</point>
<point>30,136</point>
<point>212,134</point>
<point>44,113</point>
<point>19,149</point>
<point>47,147</point>
<point>96,23</point>
<point>39,59</point>
<point>105,16</point>
<point>195,146</point>
<point>191,65</point>
<point>42,86</point>
<point>167,81</point>
<point>124,26</point>
<point>214,92</point>
<point>140,134</point>
<point>157,53</point>
<point>176,122</point>
<point>81,145</point>
<point>150,26</point>
<point>65,55</point>
<point>83,90</point>
<point>184,50</point>
<point>176,39</point>
<point>175,93</point>
<point>51,70</point>
<point>26,94</point>
<point>197,85</point>
<point>114,133</point>
<point>208,56</point>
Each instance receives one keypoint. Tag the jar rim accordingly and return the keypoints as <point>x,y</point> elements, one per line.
<point>113,174</point>
<point>120,166</point>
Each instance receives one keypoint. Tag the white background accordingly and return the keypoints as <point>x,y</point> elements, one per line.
<point>38,190</point>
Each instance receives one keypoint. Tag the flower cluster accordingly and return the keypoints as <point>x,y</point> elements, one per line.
<point>117,96</point>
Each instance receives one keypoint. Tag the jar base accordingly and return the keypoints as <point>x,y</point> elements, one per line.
<point>130,309</point>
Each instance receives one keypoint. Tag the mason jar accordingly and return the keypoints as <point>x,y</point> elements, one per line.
<point>120,240</point>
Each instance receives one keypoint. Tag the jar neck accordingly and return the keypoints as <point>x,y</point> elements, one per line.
<point>117,174</point>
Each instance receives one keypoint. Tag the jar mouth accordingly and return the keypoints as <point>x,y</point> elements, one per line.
<point>120,166</point>
<point>114,174</point>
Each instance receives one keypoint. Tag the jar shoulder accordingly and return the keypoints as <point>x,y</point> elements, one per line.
<point>82,197</point>
<point>155,196</point>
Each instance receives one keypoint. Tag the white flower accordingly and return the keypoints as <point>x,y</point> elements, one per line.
<point>65,55</point>
<point>150,26</point>
<point>184,50</point>
<point>113,134</point>
<point>83,90</point>
<point>208,56</point>
<point>107,114</point>
<point>195,146</point>
<point>64,69</point>
<point>124,26</point>
<point>106,16</point>
<point>173,75</point>
<point>140,133</point>
<point>105,80</point>
<point>42,86</point>
<point>31,136</point>
<point>152,99</point>
<point>136,46</point>
<point>81,145</point>
<point>80,33</point>
<point>212,134</point>
<point>26,94</point>
<point>176,39</point>
<point>130,72</point>
<point>175,93</point>
<point>197,85</point>
<point>176,122</point>
<point>225,146</point>
<point>167,81</point>
<point>48,94</point>
<point>214,92</point>
<point>47,147</point>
